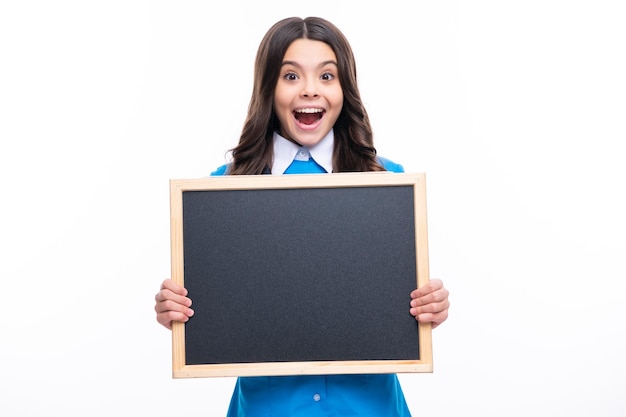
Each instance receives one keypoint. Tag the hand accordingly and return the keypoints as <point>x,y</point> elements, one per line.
<point>172,304</point>
<point>429,304</point>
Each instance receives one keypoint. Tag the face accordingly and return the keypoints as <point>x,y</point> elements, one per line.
<point>308,96</point>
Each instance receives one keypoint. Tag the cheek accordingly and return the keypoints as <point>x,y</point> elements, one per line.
<point>279,97</point>
<point>337,103</point>
<point>282,112</point>
<point>337,99</point>
<point>280,107</point>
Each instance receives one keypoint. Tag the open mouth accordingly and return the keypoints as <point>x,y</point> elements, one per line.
<point>308,116</point>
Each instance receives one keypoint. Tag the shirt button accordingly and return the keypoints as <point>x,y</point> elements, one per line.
<point>316,397</point>
<point>302,154</point>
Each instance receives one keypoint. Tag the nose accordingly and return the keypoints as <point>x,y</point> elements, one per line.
<point>310,89</point>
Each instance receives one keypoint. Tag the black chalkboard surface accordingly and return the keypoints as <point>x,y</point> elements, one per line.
<point>300,274</point>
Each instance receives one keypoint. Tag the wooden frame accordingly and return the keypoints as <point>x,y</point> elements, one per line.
<point>358,182</point>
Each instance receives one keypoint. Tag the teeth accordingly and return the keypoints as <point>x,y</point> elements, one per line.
<point>309,110</point>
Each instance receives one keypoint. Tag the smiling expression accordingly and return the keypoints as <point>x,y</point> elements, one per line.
<point>308,96</point>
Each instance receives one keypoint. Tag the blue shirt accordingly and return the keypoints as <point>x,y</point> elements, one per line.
<point>372,395</point>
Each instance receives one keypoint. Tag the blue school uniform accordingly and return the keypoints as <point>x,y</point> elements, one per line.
<point>376,395</point>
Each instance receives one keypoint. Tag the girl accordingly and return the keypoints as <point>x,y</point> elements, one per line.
<point>306,116</point>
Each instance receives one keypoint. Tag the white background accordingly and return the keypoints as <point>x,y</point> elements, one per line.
<point>515,110</point>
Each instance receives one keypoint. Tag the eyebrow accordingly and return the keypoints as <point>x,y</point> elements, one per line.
<point>322,64</point>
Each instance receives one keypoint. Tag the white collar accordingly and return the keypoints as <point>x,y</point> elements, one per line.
<point>285,152</point>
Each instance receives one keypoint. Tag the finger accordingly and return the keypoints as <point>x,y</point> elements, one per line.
<point>167,318</point>
<point>172,304</point>
<point>167,295</point>
<point>435,319</point>
<point>434,307</point>
<point>437,296</point>
<point>171,285</point>
<point>168,311</point>
<point>179,304</point>
<point>430,286</point>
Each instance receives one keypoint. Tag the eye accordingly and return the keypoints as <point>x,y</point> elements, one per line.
<point>290,76</point>
<point>327,76</point>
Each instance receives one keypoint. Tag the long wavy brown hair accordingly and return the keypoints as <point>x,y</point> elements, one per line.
<point>353,146</point>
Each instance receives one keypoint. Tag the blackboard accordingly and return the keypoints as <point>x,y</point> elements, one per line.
<point>300,274</point>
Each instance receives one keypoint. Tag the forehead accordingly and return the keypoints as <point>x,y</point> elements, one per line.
<point>307,50</point>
